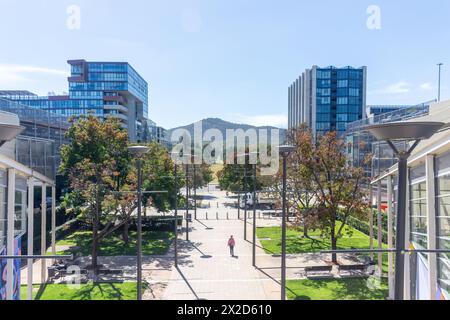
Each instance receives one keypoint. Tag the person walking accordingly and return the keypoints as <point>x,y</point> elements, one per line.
<point>231,244</point>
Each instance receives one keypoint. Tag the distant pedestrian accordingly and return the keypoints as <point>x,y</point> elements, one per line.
<point>231,244</point>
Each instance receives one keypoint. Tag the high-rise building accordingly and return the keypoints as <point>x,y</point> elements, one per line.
<point>105,89</point>
<point>327,99</point>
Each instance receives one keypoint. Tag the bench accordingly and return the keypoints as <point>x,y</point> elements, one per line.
<point>110,271</point>
<point>315,272</point>
<point>355,270</point>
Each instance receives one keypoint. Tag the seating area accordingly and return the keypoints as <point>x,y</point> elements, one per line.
<point>343,271</point>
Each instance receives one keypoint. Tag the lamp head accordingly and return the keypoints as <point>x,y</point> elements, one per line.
<point>285,150</point>
<point>405,130</point>
<point>138,151</point>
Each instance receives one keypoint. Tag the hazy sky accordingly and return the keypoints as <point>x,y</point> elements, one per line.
<point>232,59</point>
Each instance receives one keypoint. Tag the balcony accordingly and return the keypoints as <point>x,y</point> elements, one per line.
<point>118,108</point>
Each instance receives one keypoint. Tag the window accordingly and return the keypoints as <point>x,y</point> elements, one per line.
<point>342,83</point>
<point>443,220</point>
<point>418,206</point>
<point>353,92</point>
<point>323,74</point>
<point>323,92</point>
<point>342,100</point>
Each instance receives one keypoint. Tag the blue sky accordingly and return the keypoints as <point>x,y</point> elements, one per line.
<point>231,59</point>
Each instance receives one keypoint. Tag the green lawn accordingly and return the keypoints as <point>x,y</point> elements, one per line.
<point>153,243</point>
<point>90,291</point>
<point>336,289</point>
<point>296,243</point>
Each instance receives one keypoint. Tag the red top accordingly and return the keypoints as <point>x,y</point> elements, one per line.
<point>231,242</point>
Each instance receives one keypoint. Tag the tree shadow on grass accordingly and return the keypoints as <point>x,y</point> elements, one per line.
<point>338,289</point>
<point>107,291</point>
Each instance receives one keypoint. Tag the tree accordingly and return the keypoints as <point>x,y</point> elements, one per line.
<point>232,177</point>
<point>302,199</point>
<point>339,187</point>
<point>159,175</point>
<point>96,162</point>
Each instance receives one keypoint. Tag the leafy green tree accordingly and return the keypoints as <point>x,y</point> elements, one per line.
<point>159,175</point>
<point>339,187</point>
<point>96,162</point>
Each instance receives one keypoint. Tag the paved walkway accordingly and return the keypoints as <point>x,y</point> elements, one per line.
<point>206,269</point>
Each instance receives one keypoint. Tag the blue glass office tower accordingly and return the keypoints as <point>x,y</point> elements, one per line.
<point>105,89</point>
<point>327,99</point>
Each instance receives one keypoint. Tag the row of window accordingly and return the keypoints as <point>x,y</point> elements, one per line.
<point>419,223</point>
<point>101,86</point>
<point>340,92</point>
<point>340,74</point>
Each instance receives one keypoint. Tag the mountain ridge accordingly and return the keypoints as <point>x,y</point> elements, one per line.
<point>223,125</point>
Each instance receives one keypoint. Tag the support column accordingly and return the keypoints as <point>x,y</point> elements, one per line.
<point>390,240</point>
<point>431,214</point>
<point>30,248</point>
<point>10,233</point>
<point>53,220</point>
<point>43,232</point>
<point>380,229</point>
<point>371,222</point>
<point>407,270</point>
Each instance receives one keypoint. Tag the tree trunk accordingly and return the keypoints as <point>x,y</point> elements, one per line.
<point>95,247</point>
<point>125,234</point>
<point>333,247</point>
<point>305,230</point>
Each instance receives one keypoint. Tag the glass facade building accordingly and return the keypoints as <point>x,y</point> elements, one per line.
<point>328,99</point>
<point>362,144</point>
<point>427,275</point>
<point>38,146</point>
<point>105,89</point>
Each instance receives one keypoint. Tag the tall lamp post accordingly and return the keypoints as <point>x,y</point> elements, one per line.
<point>284,151</point>
<point>245,155</point>
<point>175,155</point>
<point>254,212</point>
<point>187,202</point>
<point>138,152</point>
<point>439,81</point>
<point>401,131</point>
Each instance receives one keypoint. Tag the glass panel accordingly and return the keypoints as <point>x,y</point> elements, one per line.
<point>444,227</point>
<point>443,162</point>
<point>419,191</point>
<point>444,185</point>
<point>419,225</point>
<point>444,207</point>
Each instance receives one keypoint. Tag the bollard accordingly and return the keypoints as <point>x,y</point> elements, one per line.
<point>206,215</point>
<point>217,216</point>
<point>228,217</point>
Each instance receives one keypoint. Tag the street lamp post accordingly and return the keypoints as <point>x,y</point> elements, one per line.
<point>284,151</point>
<point>176,216</point>
<point>254,217</point>
<point>397,131</point>
<point>187,202</point>
<point>245,201</point>
<point>439,81</point>
<point>195,191</point>
<point>138,152</point>
<point>254,212</point>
